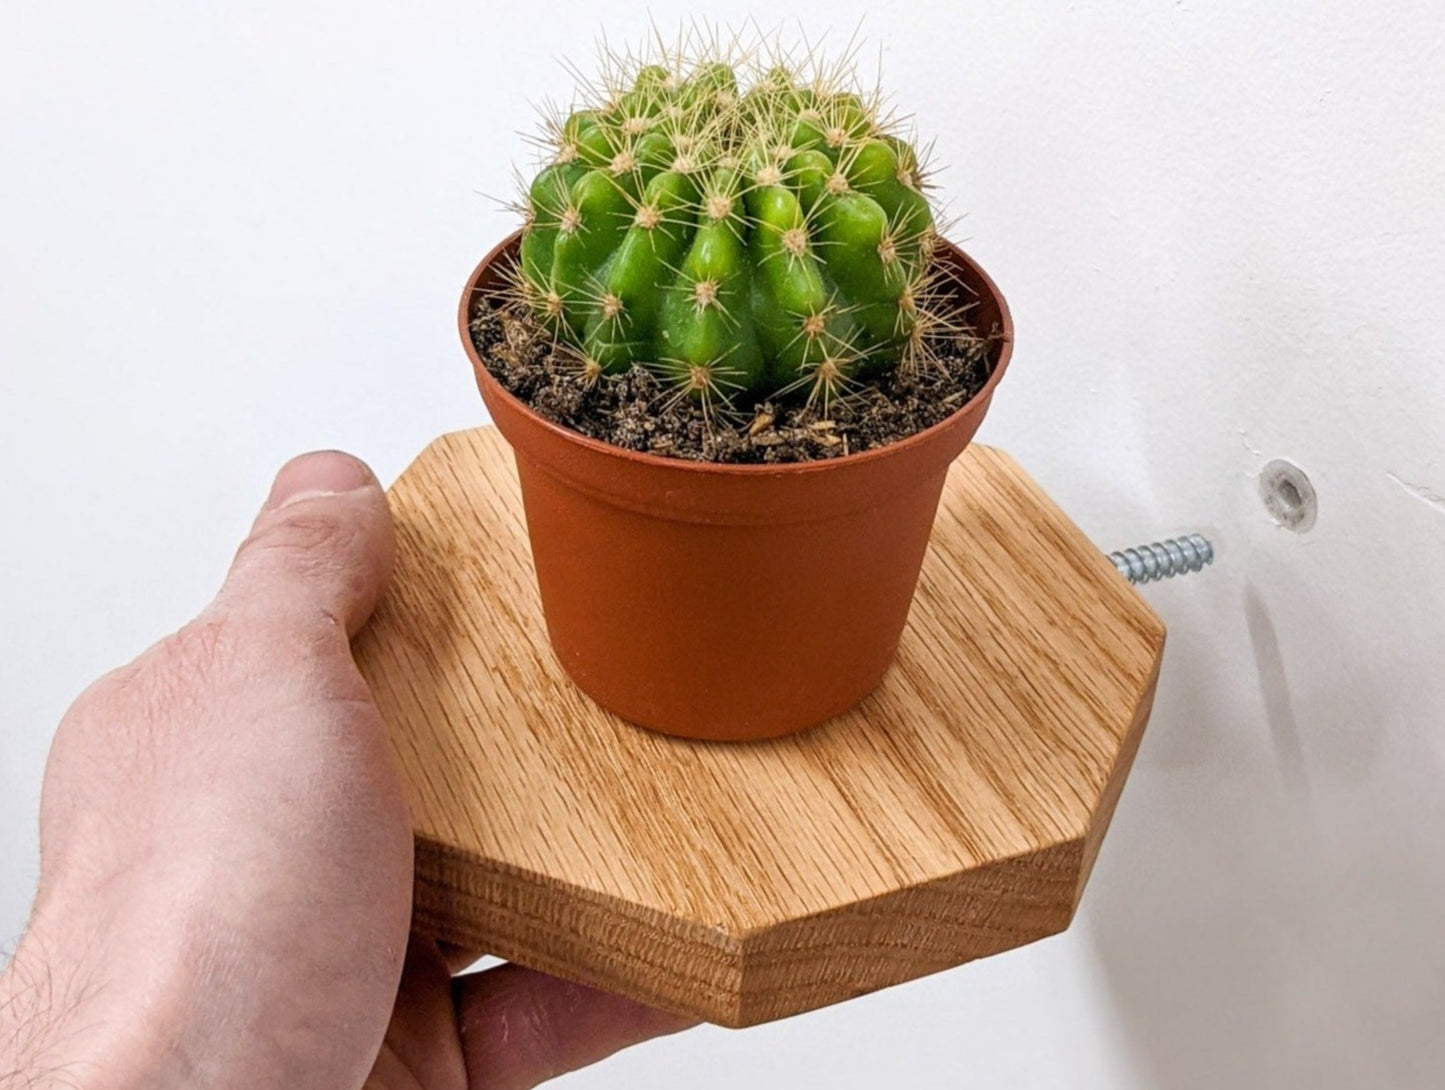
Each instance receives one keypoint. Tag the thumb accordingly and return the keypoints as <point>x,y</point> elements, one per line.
<point>321,547</point>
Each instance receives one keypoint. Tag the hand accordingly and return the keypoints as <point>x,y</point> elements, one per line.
<point>225,887</point>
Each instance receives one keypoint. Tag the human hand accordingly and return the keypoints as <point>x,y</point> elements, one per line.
<point>225,886</point>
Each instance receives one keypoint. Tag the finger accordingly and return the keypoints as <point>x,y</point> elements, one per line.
<point>321,545</point>
<point>421,1047</point>
<point>520,1027</point>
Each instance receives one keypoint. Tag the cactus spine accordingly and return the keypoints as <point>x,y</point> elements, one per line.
<point>746,241</point>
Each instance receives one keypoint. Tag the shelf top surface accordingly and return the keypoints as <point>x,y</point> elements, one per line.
<point>993,735</point>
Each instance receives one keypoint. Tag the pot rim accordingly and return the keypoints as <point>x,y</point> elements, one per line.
<point>730,469</point>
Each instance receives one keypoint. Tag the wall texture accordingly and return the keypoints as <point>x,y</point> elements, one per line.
<point>232,235</point>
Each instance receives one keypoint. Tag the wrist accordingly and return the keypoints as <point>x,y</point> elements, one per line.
<point>74,1015</point>
<point>29,1002</point>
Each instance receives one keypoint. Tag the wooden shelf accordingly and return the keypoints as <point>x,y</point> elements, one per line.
<point>954,814</point>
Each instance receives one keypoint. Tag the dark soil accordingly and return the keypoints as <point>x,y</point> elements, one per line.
<point>639,412</point>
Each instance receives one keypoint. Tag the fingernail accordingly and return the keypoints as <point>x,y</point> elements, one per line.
<point>321,473</point>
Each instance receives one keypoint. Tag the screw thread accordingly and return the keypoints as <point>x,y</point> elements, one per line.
<point>1164,559</point>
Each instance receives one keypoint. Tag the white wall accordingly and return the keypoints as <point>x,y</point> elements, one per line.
<point>226,237</point>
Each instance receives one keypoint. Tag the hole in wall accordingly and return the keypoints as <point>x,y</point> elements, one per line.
<point>1288,495</point>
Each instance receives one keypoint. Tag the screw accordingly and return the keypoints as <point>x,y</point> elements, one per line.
<point>1164,559</point>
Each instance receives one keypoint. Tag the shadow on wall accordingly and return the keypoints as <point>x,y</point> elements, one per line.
<point>1268,910</point>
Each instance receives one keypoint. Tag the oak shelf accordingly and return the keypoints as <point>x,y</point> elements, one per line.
<point>954,814</point>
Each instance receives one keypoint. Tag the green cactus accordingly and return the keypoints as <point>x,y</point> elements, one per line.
<point>745,243</point>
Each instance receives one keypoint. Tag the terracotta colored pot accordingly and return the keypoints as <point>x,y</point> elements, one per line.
<point>728,602</point>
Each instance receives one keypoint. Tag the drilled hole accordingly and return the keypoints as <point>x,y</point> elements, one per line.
<point>1288,495</point>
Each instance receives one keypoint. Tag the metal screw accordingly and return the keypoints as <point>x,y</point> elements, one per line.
<point>1164,559</point>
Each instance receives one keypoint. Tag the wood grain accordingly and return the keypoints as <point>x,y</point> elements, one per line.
<point>954,814</point>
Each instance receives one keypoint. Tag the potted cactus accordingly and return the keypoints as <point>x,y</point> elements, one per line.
<point>735,359</point>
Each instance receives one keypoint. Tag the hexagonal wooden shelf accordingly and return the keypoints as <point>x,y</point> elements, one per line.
<point>954,814</point>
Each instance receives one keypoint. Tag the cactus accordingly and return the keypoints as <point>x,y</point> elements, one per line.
<point>744,241</point>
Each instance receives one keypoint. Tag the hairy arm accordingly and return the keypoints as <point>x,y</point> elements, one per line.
<point>41,1000</point>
